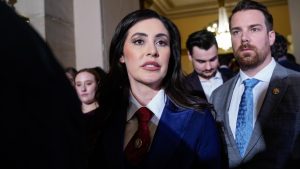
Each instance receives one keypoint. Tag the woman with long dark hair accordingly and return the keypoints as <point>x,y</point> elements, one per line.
<point>152,121</point>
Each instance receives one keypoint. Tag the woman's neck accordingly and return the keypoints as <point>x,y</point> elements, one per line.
<point>143,94</point>
<point>89,107</point>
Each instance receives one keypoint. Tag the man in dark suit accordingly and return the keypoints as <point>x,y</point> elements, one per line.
<point>274,115</point>
<point>203,53</point>
<point>41,124</point>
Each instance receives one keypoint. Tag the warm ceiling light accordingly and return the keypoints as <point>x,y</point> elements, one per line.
<point>222,28</point>
<point>223,35</point>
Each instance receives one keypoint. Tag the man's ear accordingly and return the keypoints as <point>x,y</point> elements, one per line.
<point>272,37</point>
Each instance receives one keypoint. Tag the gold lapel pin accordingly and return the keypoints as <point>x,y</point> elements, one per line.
<point>138,143</point>
<point>276,90</point>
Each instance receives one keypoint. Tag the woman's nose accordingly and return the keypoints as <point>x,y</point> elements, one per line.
<point>152,50</point>
<point>83,88</point>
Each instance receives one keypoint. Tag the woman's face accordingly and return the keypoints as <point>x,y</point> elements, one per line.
<point>86,87</point>
<point>146,53</point>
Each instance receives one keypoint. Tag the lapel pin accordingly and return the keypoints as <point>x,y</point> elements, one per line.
<point>275,90</point>
<point>138,143</point>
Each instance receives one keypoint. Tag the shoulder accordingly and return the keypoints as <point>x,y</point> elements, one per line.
<point>281,72</point>
<point>193,113</point>
<point>226,85</point>
<point>191,75</point>
<point>226,74</point>
<point>223,91</point>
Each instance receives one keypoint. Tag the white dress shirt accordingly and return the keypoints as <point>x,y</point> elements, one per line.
<point>156,105</point>
<point>209,85</point>
<point>259,93</point>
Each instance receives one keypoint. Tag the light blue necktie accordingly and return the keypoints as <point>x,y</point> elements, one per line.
<point>245,116</point>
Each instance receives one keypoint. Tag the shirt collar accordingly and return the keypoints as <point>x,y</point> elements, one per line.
<point>263,75</point>
<point>156,105</point>
<point>217,76</point>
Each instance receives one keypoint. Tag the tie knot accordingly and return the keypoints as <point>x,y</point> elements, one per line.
<point>250,83</point>
<point>144,115</point>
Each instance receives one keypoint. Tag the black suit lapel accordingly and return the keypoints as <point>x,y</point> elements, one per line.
<point>194,85</point>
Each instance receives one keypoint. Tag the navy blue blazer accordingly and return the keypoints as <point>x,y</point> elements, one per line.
<point>184,139</point>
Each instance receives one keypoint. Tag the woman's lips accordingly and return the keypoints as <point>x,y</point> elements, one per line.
<point>151,66</point>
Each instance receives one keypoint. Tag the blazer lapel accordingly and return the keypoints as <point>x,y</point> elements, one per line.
<point>196,82</point>
<point>167,136</point>
<point>275,92</point>
<point>229,133</point>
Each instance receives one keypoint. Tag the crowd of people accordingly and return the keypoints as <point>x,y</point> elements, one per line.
<point>145,112</point>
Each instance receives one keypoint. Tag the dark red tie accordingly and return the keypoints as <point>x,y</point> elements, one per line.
<point>138,146</point>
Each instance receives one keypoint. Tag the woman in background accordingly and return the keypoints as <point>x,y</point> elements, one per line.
<point>87,84</point>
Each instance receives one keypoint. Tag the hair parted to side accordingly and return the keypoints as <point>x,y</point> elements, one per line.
<point>117,86</point>
<point>121,32</point>
<point>253,5</point>
<point>202,39</point>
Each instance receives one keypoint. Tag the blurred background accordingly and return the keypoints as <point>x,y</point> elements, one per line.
<point>79,31</point>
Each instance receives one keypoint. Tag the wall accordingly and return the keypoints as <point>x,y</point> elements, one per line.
<point>88,34</point>
<point>59,30</point>
<point>35,11</point>
<point>78,32</point>
<point>295,24</point>
<point>112,13</point>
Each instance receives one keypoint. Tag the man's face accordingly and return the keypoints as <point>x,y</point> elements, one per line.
<point>205,62</point>
<point>251,40</point>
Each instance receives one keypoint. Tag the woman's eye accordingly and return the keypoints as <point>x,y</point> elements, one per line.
<point>89,83</point>
<point>138,42</point>
<point>162,43</point>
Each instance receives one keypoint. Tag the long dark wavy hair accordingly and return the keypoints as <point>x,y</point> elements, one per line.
<point>116,90</point>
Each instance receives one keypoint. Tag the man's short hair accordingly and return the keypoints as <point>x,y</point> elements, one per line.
<point>202,39</point>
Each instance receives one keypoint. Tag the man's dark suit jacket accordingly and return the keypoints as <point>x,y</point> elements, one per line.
<point>41,123</point>
<point>194,85</point>
<point>275,141</point>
